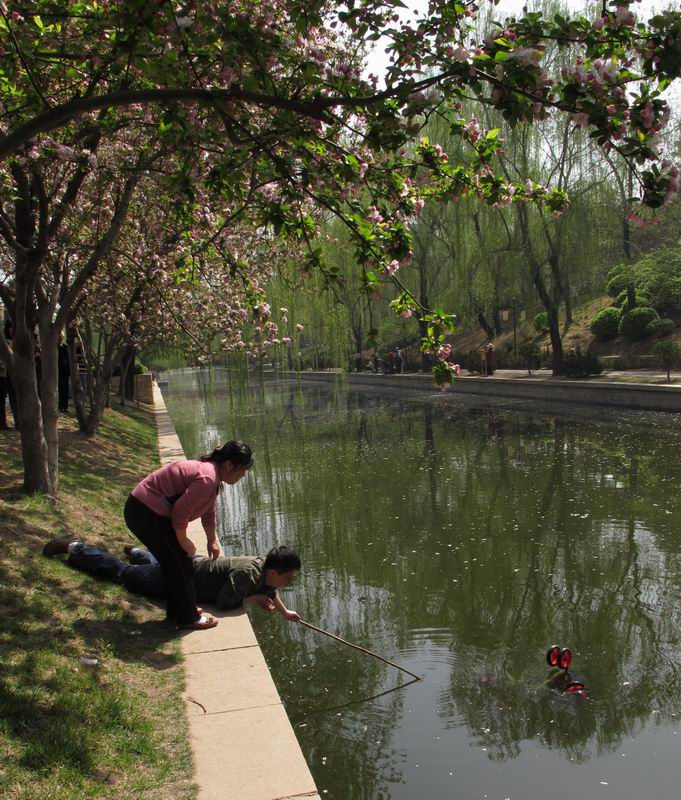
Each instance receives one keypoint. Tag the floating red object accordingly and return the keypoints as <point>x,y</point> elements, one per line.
<point>564,658</point>
<point>552,655</point>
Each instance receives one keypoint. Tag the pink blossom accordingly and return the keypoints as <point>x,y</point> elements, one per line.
<point>406,313</point>
<point>392,267</point>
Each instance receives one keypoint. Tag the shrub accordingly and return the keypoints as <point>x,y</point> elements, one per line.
<point>472,361</point>
<point>529,354</point>
<point>634,324</point>
<point>541,322</point>
<point>578,365</point>
<point>622,300</point>
<point>669,353</point>
<point>658,274</point>
<point>605,323</point>
<point>661,327</point>
<point>665,292</point>
<point>618,283</point>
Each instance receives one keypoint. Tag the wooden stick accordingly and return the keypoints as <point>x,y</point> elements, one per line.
<point>361,649</point>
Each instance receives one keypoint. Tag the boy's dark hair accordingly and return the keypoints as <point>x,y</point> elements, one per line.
<point>282,559</point>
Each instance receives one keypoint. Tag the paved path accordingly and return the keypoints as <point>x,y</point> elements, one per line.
<point>243,744</point>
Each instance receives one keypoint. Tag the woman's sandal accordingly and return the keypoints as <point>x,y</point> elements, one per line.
<point>203,622</point>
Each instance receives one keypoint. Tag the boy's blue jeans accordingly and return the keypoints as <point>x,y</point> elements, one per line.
<point>142,576</point>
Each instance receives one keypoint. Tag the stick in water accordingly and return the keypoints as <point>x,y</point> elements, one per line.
<point>361,649</point>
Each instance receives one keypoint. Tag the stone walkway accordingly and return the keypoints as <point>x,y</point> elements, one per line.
<point>243,744</point>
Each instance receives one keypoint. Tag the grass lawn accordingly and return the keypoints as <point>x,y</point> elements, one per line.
<point>68,730</point>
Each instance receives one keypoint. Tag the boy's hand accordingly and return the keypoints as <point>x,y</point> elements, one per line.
<point>263,601</point>
<point>291,616</point>
<point>213,549</point>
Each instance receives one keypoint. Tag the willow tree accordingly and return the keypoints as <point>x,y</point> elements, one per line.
<point>267,106</point>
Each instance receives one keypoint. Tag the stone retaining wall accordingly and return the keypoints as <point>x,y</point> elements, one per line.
<point>616,395</point>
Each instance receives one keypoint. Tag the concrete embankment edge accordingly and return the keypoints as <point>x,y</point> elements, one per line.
<point>243,745</point>
<point>643,397</point>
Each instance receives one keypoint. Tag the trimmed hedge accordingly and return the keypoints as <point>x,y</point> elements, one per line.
<point>661,327</point>
<point>618,283</point>
<point>541,322</point>
<point>634,324</point>
<point>605,324</point>
<point>622,300</point>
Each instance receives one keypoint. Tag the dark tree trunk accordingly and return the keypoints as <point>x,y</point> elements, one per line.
<point>127,385</point>
<point>550,305</point>
<point>489,330</point>
<point>49,341</point>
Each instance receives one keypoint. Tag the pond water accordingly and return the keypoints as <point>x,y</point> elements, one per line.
<point>461,539</point>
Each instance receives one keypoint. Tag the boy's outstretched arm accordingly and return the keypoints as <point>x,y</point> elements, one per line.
<point>291,616</point>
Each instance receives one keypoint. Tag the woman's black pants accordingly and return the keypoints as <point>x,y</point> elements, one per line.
<point>157,534</point>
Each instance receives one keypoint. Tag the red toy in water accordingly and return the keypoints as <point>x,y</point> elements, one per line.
<point>557,657</point>
<point>564,658</point>
<point>552,655</point>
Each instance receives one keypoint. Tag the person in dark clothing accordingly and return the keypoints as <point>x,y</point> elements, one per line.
<point>399,361</point>
<point>226,582</point>
<point>489,358</point>
<point>7,387</point>
<point>64,375</point>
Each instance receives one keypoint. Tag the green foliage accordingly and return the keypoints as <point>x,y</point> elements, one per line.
<point>658,274</point>
<point>634,324</point>
<point>605,324</point>
<point>668,352</point>
<point>541,322</point>
<point>618,283</point>
<point>579,365</point>
<point>472,361</point>
<point>622,300</point>
<point>661,327</point>
<point>530,354</point>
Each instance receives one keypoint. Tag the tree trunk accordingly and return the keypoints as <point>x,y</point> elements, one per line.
<point>489,330</point>
<point>556,341</point>
<point>77,394</point>
<point>33,444</point>
<point>539,284</point>
<point>126,389</point>
<point>49,341</point>
<point>497,320</point>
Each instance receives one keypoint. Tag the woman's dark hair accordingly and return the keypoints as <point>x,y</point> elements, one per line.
<point>238,453</point>
<point>281,559</point>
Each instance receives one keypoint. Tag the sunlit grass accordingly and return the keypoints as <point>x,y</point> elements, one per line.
<point>68,730</point>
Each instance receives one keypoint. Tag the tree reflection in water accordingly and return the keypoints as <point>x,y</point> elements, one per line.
<point>465,538</point>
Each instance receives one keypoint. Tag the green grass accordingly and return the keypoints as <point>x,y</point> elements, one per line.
<point>70,731</point>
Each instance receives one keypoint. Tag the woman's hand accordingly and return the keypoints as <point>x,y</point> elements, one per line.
<point>187,545</point>
<point>213,548</point>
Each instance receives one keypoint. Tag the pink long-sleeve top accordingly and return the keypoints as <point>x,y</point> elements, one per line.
<point>183,491</point>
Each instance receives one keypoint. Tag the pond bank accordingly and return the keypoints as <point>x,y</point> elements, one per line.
<point>239,731</point>
<point>644,397</point>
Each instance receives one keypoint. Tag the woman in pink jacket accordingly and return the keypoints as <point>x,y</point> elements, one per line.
<point>161,506</point>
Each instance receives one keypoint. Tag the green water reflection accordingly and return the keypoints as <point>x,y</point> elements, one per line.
<point>461,539</point>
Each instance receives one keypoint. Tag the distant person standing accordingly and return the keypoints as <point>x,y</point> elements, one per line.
<point>489,359</point>
<point>7,387</point>
<point>399,361</point>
